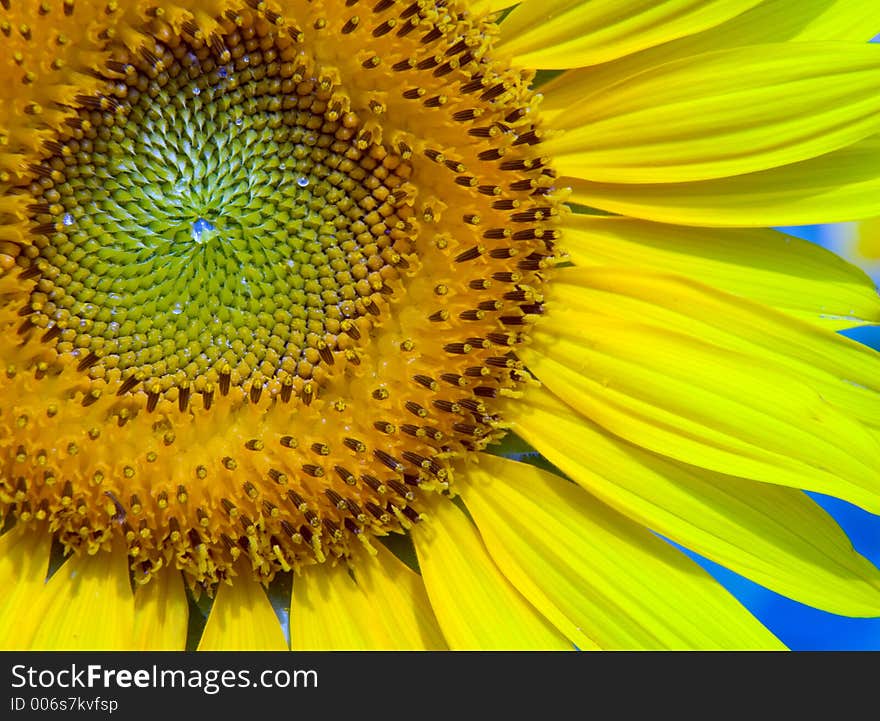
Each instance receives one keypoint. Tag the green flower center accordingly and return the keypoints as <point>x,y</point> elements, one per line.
<point>216,227</point>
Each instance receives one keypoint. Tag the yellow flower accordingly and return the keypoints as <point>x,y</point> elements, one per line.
<point>278,276</point>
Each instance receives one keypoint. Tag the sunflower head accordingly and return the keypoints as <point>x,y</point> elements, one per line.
<point>264,273</point>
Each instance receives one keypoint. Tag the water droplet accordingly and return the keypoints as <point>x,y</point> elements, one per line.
<point>67,219</point>
<point>197,91</point>
<point>177,309</point>
<point>200,227</point>
<point>302,182</point>
<point>238,121</point>
<point>222,72</point>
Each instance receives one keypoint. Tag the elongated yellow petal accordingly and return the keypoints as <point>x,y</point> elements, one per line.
<point>327,613</point>
<point>766,266</point>
<point>774,535</point>
<point>24,562</point>
<point>843,371</point>
<point>727,411</point>
<point>161,613</point>
<point>87,605</point>
<point>477,608</point>
<point>836,187</point>
<point>801,20</point>
<point>569,553</point>
<point>398,597</point>
<point>722,113</point>
<point>379,605</point>
<point>772,21</point>
<point>572,33</point>
<point>242,619</point>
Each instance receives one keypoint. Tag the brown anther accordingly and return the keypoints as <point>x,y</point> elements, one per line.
<point>401,490</point>
<point>389,460</point>
<point>416,409</point>
<point>446,406</point>
<point>277,476</point>
<point>354,444</point>
<point>426,382</point>
<point>313,470</point>
<point>470,254</point>
<point>322,449</point>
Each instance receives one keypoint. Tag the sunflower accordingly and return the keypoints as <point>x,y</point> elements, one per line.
<point>282,280</point>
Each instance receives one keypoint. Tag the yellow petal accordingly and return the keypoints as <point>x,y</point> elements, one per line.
<point>766,266</point>
<point>24,562</point>
<point>380,605</point>
<point>571,554</point>
<point>572,33</point>
<point>161,613</point>
<point>843,371</point>
<point>477,608</point>
<point>801,20</point>
<point>722,113</point>
<point>837,187</point>
<point>242,619</point>
<point>772,21</point>
<point>87,605</point>
<point>728,411</point>
<point>398,597</point>
<point>773,535</point>
<point>326,612</point>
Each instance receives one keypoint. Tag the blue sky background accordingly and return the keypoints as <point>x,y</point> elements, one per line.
<point>801,627</point>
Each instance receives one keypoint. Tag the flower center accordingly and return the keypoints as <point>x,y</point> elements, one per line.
<point>217,228</point>
<point>276,274</point>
